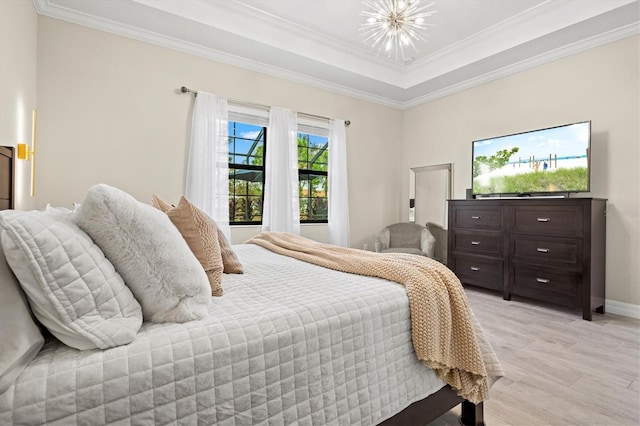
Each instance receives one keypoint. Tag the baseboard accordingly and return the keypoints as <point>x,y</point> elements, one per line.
<point>619,308</point>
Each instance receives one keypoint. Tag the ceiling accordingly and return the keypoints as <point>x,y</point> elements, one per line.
<point>317,42</point>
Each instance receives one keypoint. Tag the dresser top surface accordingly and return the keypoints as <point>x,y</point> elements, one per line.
<point>524,200</point>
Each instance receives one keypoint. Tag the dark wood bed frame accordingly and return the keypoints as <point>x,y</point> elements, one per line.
<point>435,405</point>
<point>6,177</point>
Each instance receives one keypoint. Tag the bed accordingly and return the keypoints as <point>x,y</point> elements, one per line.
<point>289,342</point>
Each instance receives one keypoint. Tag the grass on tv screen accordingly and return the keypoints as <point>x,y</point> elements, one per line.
<point>541,161</point>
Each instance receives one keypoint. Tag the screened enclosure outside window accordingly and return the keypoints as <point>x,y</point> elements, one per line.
<point>247,150</point>
<point>313,164</point>
<point>246,172</point>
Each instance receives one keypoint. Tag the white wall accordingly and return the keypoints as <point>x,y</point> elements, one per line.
<point>110,112</point>
<point>18,86</point>
<point>601,85</point>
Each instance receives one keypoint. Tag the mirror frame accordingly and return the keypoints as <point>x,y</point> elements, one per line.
<point>412,186</point>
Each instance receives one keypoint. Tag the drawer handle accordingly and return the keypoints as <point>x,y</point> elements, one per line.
<point>543,219</point>
<point>542,280</point>
<point>543,250</point>
<point>475,243</point>
<point>475,268</point>
<point>475,217</point>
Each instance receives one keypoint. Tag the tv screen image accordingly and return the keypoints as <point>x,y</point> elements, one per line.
<point>543,161</point>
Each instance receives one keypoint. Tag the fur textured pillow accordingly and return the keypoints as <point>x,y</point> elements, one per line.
<point>149,252</point>
<point>200,234</point>
<point>231,263</point>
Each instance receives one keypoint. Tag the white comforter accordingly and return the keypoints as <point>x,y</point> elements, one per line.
<point>289,342</point>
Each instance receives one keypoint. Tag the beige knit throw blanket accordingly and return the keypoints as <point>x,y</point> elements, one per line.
<point>441,323</point>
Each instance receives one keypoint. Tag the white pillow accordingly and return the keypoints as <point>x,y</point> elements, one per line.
<point>72,288</point>
<point>60,212</point>
<point>20,336</point>
<point>149,252</point>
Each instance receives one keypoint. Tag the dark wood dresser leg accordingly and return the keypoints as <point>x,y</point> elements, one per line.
<point>472,414</point>
<point>588,314</point>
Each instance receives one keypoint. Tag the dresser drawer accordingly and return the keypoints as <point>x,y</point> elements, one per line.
<point>547,220</point>
<point>546,251</point>
<point>479,271</point>
<point>476,217</point>
<point>478,242</point>
<point>547,284</point>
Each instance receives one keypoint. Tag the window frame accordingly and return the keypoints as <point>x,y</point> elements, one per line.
<point>311,172</point>
<point>237,166</point>
<point>306,127</point>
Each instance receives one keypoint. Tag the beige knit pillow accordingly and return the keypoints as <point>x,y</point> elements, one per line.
<point>200,234</point>
<point>230,261</point>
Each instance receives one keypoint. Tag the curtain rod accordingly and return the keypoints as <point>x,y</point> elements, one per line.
<point>185,89</point>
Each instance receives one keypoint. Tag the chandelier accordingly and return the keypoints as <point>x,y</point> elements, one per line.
<point>394,26</point>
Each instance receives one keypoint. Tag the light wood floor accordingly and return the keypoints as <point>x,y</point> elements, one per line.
<point>559,369</point>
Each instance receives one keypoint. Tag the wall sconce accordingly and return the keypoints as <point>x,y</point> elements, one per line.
<point>24,153</point>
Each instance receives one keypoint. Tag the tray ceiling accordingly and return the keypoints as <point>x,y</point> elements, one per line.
<point>317,42</point>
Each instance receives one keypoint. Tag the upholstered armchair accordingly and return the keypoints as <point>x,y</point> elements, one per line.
<point>440,247</point>
<point>405,238</point>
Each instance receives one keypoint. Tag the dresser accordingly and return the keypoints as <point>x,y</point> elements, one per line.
<point>547,249</point>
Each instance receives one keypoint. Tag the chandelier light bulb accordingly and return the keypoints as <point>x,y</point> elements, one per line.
<point>394,25</point>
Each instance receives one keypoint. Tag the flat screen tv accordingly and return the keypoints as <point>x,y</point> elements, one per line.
<point>539,162</point>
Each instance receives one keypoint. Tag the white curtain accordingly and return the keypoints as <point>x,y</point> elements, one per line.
<point>338,185</point>
<point>281,210</point>
<point>208,167</point>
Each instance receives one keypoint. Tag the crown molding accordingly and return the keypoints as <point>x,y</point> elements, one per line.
<point>554,55</point>
<point>538,21</point>
<point>279,33</point>
<point>43,7</point>
<point>47,8</point>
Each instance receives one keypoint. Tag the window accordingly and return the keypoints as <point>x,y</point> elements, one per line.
<point>246,172</point>
<point>313,163</point>
<point>247,150</point>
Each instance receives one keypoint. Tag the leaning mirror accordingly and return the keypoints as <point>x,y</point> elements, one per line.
<point>429,189</point>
